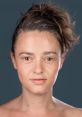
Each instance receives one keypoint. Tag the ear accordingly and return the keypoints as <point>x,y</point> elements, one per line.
<point>63,56</point>
<point>13,60</point>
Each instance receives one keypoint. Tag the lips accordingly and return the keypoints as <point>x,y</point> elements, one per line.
<point>38,81</point>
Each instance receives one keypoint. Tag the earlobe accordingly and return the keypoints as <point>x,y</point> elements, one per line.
<point>13,60</point>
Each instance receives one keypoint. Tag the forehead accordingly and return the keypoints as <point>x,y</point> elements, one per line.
<point>36,41</point>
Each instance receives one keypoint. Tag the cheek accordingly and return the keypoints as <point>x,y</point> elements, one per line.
<point>24,71</point>
<point>52,72</point>
<point>21,73</point>
<point>53,69</point>
<point>21,70</point>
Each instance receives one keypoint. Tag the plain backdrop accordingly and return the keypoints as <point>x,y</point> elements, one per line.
<point>68,87</point>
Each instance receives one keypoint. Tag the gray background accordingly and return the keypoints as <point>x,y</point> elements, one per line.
<point>68,87</point>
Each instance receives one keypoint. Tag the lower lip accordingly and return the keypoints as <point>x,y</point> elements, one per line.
<point>38,81</point>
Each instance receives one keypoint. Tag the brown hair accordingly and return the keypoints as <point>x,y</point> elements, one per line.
<point>45,17</point>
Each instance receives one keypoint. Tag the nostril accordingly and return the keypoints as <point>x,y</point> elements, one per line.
<point>38,69</point>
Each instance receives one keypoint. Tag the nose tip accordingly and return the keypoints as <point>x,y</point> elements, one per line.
<point>38,68</point>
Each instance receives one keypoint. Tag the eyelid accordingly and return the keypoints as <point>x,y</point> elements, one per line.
<point>23,55</point>
<point>48,57</point>
<point>52,56</point>
<point>26,56</point>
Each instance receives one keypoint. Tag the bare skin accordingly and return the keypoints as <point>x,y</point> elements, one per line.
<point>60,109</point>
<point>37,59</point>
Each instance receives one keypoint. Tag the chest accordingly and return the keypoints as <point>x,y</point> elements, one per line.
<point>53,114</point>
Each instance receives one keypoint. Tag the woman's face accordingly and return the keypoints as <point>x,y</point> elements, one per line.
<point>37,60</point>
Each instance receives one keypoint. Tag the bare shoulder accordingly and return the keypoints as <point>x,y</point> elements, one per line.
<point>68,110</point>
<point>12,104</point>
<point>74,112</point>
<point>5,109</point>
<point>4,112</point>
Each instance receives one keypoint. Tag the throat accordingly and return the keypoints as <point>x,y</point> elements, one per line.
<point>34,103</point>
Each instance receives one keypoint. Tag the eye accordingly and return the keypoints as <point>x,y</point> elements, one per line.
<point>49,59</point>
<point>27,58</point>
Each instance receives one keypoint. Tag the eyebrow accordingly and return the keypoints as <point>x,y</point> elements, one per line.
<point>44,53</point>
<point>50,52</point>
<point>28,53</point>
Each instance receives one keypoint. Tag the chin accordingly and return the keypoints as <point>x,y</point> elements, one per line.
<point>39,91</point>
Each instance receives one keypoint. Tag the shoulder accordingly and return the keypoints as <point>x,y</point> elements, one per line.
<point>7,108</point>
<point>4,112</point>
<point>68,110</point>
<point>74,112</point>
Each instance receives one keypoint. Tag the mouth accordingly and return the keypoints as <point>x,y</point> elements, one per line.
<point>38,81</point>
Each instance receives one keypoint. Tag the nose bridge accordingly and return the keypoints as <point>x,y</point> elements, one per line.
<point>38,65</point>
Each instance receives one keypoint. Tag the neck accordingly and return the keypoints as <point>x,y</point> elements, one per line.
<point>34,102</point>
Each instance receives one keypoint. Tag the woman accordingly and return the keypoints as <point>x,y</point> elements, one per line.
<point>40,44</point>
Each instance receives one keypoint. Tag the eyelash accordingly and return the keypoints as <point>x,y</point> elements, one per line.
<point>46,59</point>
<point>50,59</point>
<point>27,58</point>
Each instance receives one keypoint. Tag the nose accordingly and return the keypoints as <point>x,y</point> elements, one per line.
<point>38,68</point>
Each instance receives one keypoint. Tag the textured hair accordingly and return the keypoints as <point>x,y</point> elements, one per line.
<point>45,17</point>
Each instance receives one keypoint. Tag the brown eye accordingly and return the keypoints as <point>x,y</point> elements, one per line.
<point>27,59</point>
<point>49,59</point>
